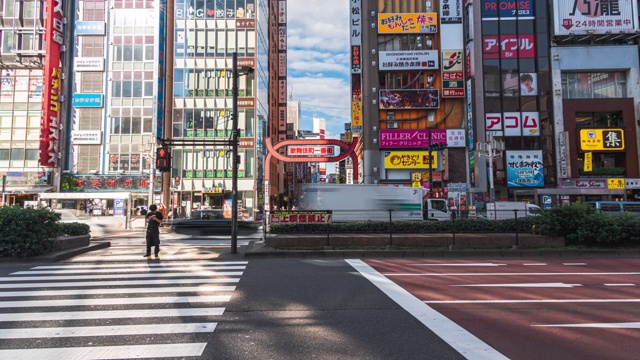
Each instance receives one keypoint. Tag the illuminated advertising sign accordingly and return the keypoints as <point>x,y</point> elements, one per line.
<point>423,23</point>
<point>87,100</point>
<point>410,159</point>
<point>418,138</point>
<point>304,217</point>
<point>408,60</point>
<point>513,123</point>
<point>159,72</point>
<point>309,150</point>
<point>507,9</point>
<point>596,17</point>
<point>90,27</point>
<point>525,168</point>
<point>410,99</point>
<point>52,85</point>
<point>452,74</point>
<point>602,139</point>
<point>509,46</point>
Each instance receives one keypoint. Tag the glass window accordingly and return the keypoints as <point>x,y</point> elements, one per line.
<point>115,125</point>
<point>127,52</point>
<point>137,88</point>
<point>116,89</point>
<point>137,52</point>
<point>147,125</point>
<point>8,39</point>
<point>126,125</point>
<point>149,52</point>
<point>17,157</point>
<point>4,154</point>
<point>31,154</point>
<point>136,125</point>
<point>593,85</point>
<point>126,89</point>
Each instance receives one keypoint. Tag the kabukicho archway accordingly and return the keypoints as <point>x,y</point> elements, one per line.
<point>348,150</point>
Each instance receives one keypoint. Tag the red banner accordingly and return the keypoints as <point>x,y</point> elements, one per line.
<point>52,85</point>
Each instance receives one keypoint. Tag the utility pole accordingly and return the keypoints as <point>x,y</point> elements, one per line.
<point>234,147</point>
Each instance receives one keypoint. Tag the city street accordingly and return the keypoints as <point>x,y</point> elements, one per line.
<point>195,303</point>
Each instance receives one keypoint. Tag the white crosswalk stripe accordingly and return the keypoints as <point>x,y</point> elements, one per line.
<point>122,310</point>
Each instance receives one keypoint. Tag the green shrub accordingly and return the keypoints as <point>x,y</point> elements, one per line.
<point>74,229</point>
<point>564,220</point>
<point>27,232</point>
<point>597,229</point>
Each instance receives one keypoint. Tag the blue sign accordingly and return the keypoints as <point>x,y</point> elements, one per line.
<point>159,81</point>
<point>118,207</point>
<point>87,100</point>
<point>90,27</point>
<point>507,9</point>
<point>546,201</point>
<point>525,168</point>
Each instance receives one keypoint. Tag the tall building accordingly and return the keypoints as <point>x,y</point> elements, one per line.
<point>22,57</point>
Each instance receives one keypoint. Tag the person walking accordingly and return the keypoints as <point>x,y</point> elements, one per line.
<point>153,220</point>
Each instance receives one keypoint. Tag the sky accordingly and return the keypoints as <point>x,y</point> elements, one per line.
<point>318,61</point>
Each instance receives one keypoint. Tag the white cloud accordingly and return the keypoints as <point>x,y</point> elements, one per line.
<point>318,61</point>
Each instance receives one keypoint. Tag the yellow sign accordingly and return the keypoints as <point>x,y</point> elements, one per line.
<point>356,113</point>
<point>588,162</point>
<point>423,23</point>
<point>616,184</point>
<point>410,159</point>
<point>602,139</point>
<point>415,179</point>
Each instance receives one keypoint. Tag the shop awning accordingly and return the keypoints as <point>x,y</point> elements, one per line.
<point>27,189</point>
<point>85,195</point>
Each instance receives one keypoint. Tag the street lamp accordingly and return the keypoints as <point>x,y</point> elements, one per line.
<point>490,150</point>
<point>234,145</point>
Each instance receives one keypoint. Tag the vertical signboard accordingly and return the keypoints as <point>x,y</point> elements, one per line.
<point>356,66</point>
<point>52,84</point>
<point>282,76</point>
<point>525,168</point>
<point>160,68</point>
<point>452,34</point>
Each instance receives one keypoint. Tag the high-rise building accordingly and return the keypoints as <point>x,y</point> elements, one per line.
<point>22,56</point>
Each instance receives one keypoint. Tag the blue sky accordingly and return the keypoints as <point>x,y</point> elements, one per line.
<point>318,61</point>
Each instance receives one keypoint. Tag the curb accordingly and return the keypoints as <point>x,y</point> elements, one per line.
<point>69,253</point>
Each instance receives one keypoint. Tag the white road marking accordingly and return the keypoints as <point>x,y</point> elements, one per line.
<point>619,284</point>
<point>574,264</point>
<point>460,264</point>
<point>531,301</point>
<point>125,270</point>
<point>629,325</point>
<point>103,284</point>
<point>111,314</point>
<point>129,265</point>
<point>108,352</point>
<point>533,285</point>
<point>119,330</point>
<point>115,301</point>
<point>138,257</point>
<point>122,276</point>
<point>174,289</point>
<point>457,337</point>
<point>514,274</point>
<point>535,264</point>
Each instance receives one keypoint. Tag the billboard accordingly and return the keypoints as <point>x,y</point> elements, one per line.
<point>513,123</point>
<point>602,139</point>
<point>525,168</point>
<point>410,159</point>
<point>410,99</point>
<point>90,27</point>
<point>159,71</point>
<point>507,9</point>
<point>418,138</point>
<point>52,85</point>
<point>408,60</point>
<point>509,46</point>
<point>393,23</point>
<point>596,17</point>
<point>310,150</point>
<point>88,64</point>
<point>87,100</point>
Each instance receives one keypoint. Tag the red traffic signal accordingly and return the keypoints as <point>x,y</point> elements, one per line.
<point>163,159</point>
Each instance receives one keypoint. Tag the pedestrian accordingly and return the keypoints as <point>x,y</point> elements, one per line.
<point>153,220</point>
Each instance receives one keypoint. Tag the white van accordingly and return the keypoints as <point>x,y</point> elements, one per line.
<point>509,209</point>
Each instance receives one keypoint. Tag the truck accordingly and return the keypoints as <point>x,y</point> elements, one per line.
<point>372,202</point>
<point>509,209</point>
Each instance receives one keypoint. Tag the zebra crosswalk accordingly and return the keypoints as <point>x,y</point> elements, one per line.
<point>114,310</point>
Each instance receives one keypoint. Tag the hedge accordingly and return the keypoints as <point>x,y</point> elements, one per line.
<point>74,229</point>
<point>27,232</point>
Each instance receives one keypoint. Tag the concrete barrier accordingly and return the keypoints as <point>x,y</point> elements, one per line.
<point>70,242</point>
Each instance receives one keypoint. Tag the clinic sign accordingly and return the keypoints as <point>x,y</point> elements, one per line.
<point>52,85</point>
<point>595,17</point>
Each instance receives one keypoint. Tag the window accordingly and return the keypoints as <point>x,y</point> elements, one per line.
<point>17,157</point>
<point>599,119</point>
<point>31,154</point>
<point>602,85</point>
<point>8,40</point>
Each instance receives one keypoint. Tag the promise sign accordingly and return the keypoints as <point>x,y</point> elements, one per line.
<point>52,85</point>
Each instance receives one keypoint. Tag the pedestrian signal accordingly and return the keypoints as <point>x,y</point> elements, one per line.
<point>163,159</point>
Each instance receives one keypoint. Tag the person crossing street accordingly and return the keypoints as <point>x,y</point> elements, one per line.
<point>153,220</point>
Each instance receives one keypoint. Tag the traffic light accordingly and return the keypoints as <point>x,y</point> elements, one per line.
<point>437,146</point>
<point>163,159</point>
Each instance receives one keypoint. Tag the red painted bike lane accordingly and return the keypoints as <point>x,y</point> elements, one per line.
<point>547,308</point>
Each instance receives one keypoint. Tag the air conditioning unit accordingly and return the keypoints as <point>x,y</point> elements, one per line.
<point>392,124</point>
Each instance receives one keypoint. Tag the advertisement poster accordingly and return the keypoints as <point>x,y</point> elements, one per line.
<point>597,17</point>
<point>410,159</point>
<point>410,99</point>
<point>525,168</point>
